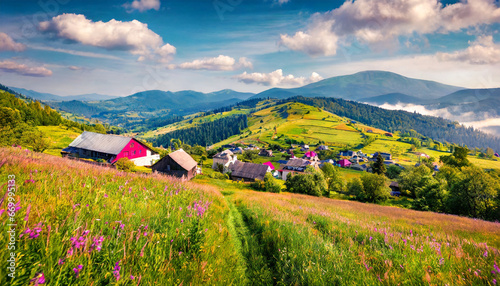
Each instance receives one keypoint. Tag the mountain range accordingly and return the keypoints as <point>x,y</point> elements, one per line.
<point>52,97</point>
<point>372,87</point>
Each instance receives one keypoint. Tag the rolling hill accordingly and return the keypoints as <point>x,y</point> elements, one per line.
<point>363,85</point>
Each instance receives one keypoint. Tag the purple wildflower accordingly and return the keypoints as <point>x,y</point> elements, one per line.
<point>38,279</point>
<point>132,277</point>
<point>77,270</point>
<point>61,261</point>
<point>485,254</point>
<point>105,195</point>
<point>116,272</point>
<point>27,213</point>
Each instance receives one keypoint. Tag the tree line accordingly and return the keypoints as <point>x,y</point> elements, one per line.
<point>206,133</point>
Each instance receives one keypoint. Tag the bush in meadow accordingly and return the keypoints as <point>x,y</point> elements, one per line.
<point>415,180</point>
<point>475,194</point>
<point>124,164</point>
<point>271,184</point>
<point>311,183</point>
<point>374,188</point>
<point>333,178</point>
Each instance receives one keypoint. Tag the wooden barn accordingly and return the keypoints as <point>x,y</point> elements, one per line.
<point>177,164</point>
<point>248,172</point>
<point>110,148</point>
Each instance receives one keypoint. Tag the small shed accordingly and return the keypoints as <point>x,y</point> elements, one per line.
<point>389,134</point>
<point>178,164</point>
<point>266,153</point>
<point>395,189</point>
<point>496,155</point>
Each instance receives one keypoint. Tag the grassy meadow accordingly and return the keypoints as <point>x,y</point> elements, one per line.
<point>80,224</point>
<point>76,221</point>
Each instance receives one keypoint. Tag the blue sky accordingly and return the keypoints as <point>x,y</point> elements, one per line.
<point>70,47</point>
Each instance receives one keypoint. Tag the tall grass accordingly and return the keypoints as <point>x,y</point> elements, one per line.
<point>318,241</point>
<point>86,225</point>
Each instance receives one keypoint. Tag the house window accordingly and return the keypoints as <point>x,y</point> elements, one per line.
<point>168,167</point>
<point>132,145</point>
<point>140,151</point>
<point>125,153</point>
<point>134,152</point>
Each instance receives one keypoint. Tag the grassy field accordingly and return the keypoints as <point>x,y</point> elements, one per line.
<point>79,224</point>
<point>76,222</point>
<point>60,137</point>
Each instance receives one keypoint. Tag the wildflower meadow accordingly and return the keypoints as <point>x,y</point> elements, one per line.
<point>81,224</point>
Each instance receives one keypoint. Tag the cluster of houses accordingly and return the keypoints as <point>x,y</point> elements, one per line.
<point>111,148</point>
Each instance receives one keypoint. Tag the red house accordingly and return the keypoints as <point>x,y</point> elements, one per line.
<point>110,148</point>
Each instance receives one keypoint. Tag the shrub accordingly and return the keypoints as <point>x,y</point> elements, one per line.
<point>374,188</point>
<point>124,164</point>
<point>271,185</point>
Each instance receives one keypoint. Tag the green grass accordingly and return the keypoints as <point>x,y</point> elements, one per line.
<point>60,137</point>
<point>149,224</point>
<point>151,227</point>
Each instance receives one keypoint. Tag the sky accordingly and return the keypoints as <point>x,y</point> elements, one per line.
<point>119,47</point>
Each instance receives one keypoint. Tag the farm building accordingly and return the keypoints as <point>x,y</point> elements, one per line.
<point>248,172</point>
<point>349,154</point>
<point>496,155</point>
<point>295,166</point>
<point>359,167</point>
<point>322,148</point>
<point>310,155</point>
<point>389,134</point>
<point>266,153</point>
<point>395,189</point>
<point>237,150</point>
<point>270,165</point>
<point>345,163</point>
<point>386,156</point>
<point>110,148</point>
<point>224,158</point>
<point>177,164</point>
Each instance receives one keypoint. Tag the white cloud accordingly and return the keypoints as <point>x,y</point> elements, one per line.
<point>8,44</point>
<point>22,69</point>
<point>132,36</point>
<point>382,21</point>
<point>276,78</point>
<point>220,63</point>
<point>281,2</point>
<point>143,5</point>
<point>482,51</point>
<point>73,52</point>
<point>74,68</point>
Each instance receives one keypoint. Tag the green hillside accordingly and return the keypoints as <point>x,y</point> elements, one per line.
<point>132,228</point>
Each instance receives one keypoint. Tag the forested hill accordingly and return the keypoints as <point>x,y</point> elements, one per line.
<point>397,120</point>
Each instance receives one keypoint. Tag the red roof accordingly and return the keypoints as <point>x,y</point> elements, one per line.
<point>311,154</point>
<point>344,163</point>
<point>269,164</point>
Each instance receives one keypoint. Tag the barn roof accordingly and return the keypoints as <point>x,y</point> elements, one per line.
<point>248,170</point>
<point>183,159</point>
<point>104,143</point>
<point>298,163</point>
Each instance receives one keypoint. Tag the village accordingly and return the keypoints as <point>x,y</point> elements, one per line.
<point>108,149</point>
